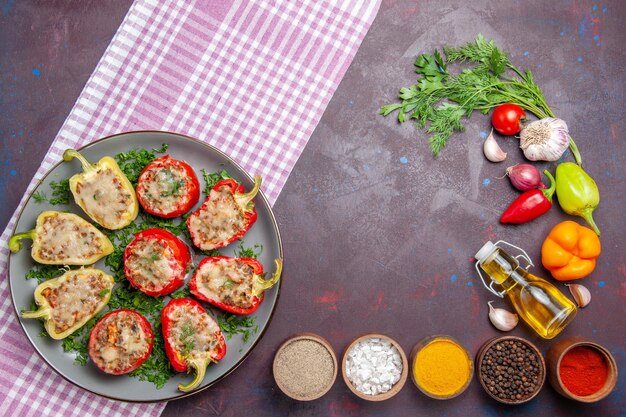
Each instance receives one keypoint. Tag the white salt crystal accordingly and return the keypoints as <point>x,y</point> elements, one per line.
<point>373,366</point>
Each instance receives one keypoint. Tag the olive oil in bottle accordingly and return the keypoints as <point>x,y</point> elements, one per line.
<point>540,304</point>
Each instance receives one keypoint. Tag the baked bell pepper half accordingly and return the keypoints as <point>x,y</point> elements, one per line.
<point>120,342</point>
<point>168,187</point>
<point>192,339</point>
<point>235,285</point>
<point>156,262</point>
<point>225,216</point>
<point>103,192</point>
<point>68,302</point>
<point>570,251</point>
<point>63,239</point>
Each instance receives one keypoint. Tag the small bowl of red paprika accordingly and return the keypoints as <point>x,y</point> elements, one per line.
<point>581,370</point>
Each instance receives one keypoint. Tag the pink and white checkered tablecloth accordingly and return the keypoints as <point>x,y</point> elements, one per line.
<point>250,77</point>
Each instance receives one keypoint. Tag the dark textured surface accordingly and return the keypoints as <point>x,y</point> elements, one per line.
<point>378,234</point>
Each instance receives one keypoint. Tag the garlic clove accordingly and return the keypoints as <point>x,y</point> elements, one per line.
<point>502,319</point>
<point>581,294</point>
<point>492,150</point>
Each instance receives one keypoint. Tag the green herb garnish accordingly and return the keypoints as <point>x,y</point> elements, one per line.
<point>441,99</point>
<point>211,179</point>
<point>61,193</point>
<point>42,272</point>
<point>186,331</point>
<point>248,252</point>
<point>181,293</point>
<point>232,324</point>
<point>39,197</point>
<point>174,190</point>
<point>211,252</point>
<point>134,161</point>
<point>125,296</point>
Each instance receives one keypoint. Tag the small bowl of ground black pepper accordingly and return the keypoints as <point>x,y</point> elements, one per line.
<point>305,367</point>
<point>511,369</point>
<point>374,367</point>
<point>581,370</point>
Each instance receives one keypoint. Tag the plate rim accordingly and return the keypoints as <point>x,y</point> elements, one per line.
<point>230,160</point>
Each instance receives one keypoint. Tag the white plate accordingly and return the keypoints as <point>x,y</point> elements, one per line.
<point>199,155</point>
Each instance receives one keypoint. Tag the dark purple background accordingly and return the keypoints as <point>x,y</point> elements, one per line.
<point>378,234</point>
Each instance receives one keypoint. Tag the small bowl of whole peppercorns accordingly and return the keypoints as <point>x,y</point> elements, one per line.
<point>511,369</point>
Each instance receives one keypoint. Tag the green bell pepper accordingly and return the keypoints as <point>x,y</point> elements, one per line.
<point>577,192</point>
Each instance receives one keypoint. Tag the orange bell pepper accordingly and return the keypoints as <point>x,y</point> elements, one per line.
<point>570,251</point>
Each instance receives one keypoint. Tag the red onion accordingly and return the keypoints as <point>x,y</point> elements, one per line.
<point>525,177</point>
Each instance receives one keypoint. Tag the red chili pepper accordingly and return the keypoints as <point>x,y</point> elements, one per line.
<point>117,350</point>
<point>156,262</point>
<point>235,285</point>
<point>192,338</point>
<point>220,221</point>
<point>530,205</point>
<point>168,187</point>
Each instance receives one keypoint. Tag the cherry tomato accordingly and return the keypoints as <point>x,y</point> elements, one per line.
<point>507,117</point>
<point>168,187</point>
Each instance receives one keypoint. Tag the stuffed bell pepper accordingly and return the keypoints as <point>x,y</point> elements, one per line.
<point>235,285</point>
<point>192,339</point>
<point>156,262</point>
<point>66,303</point>
<point>64,239</point>
<point>103,192</point>
<point>168,187</point>
<point>225,216</point>
<point>120,342</point>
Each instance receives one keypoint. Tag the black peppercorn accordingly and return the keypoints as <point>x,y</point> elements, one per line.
<point>511,370</point>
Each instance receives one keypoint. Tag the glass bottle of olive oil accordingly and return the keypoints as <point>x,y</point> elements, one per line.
<point>539,303</point>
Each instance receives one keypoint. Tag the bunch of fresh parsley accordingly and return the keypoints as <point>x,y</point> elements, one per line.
<point>440,99</point>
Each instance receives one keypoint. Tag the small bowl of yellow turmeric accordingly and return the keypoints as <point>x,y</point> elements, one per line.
<point>441,367</point>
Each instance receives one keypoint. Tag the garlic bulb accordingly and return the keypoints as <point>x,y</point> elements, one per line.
<point>492,150</point>
<point>545,139</point>
<point>502,319</point>
<point>581,294</point>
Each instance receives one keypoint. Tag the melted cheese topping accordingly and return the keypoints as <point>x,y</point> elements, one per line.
<point>227,281</point>
<point>120,342</point>
<point>104,198</point>
<point>192,333</point>
<point>77,297</point>
<point>219,218</point>
<point>152,264</point>
<point>61,238</point>
<point>164,189</point>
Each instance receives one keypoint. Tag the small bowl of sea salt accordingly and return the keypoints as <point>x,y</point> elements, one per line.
<point>374,367</point>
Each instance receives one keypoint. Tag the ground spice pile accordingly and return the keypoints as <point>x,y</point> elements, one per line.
<point>304,368</point>
<point>511,370</point>
<point>442,368</point>
<point>583,371</point>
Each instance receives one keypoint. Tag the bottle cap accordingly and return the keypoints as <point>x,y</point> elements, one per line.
<point>485,251</point>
